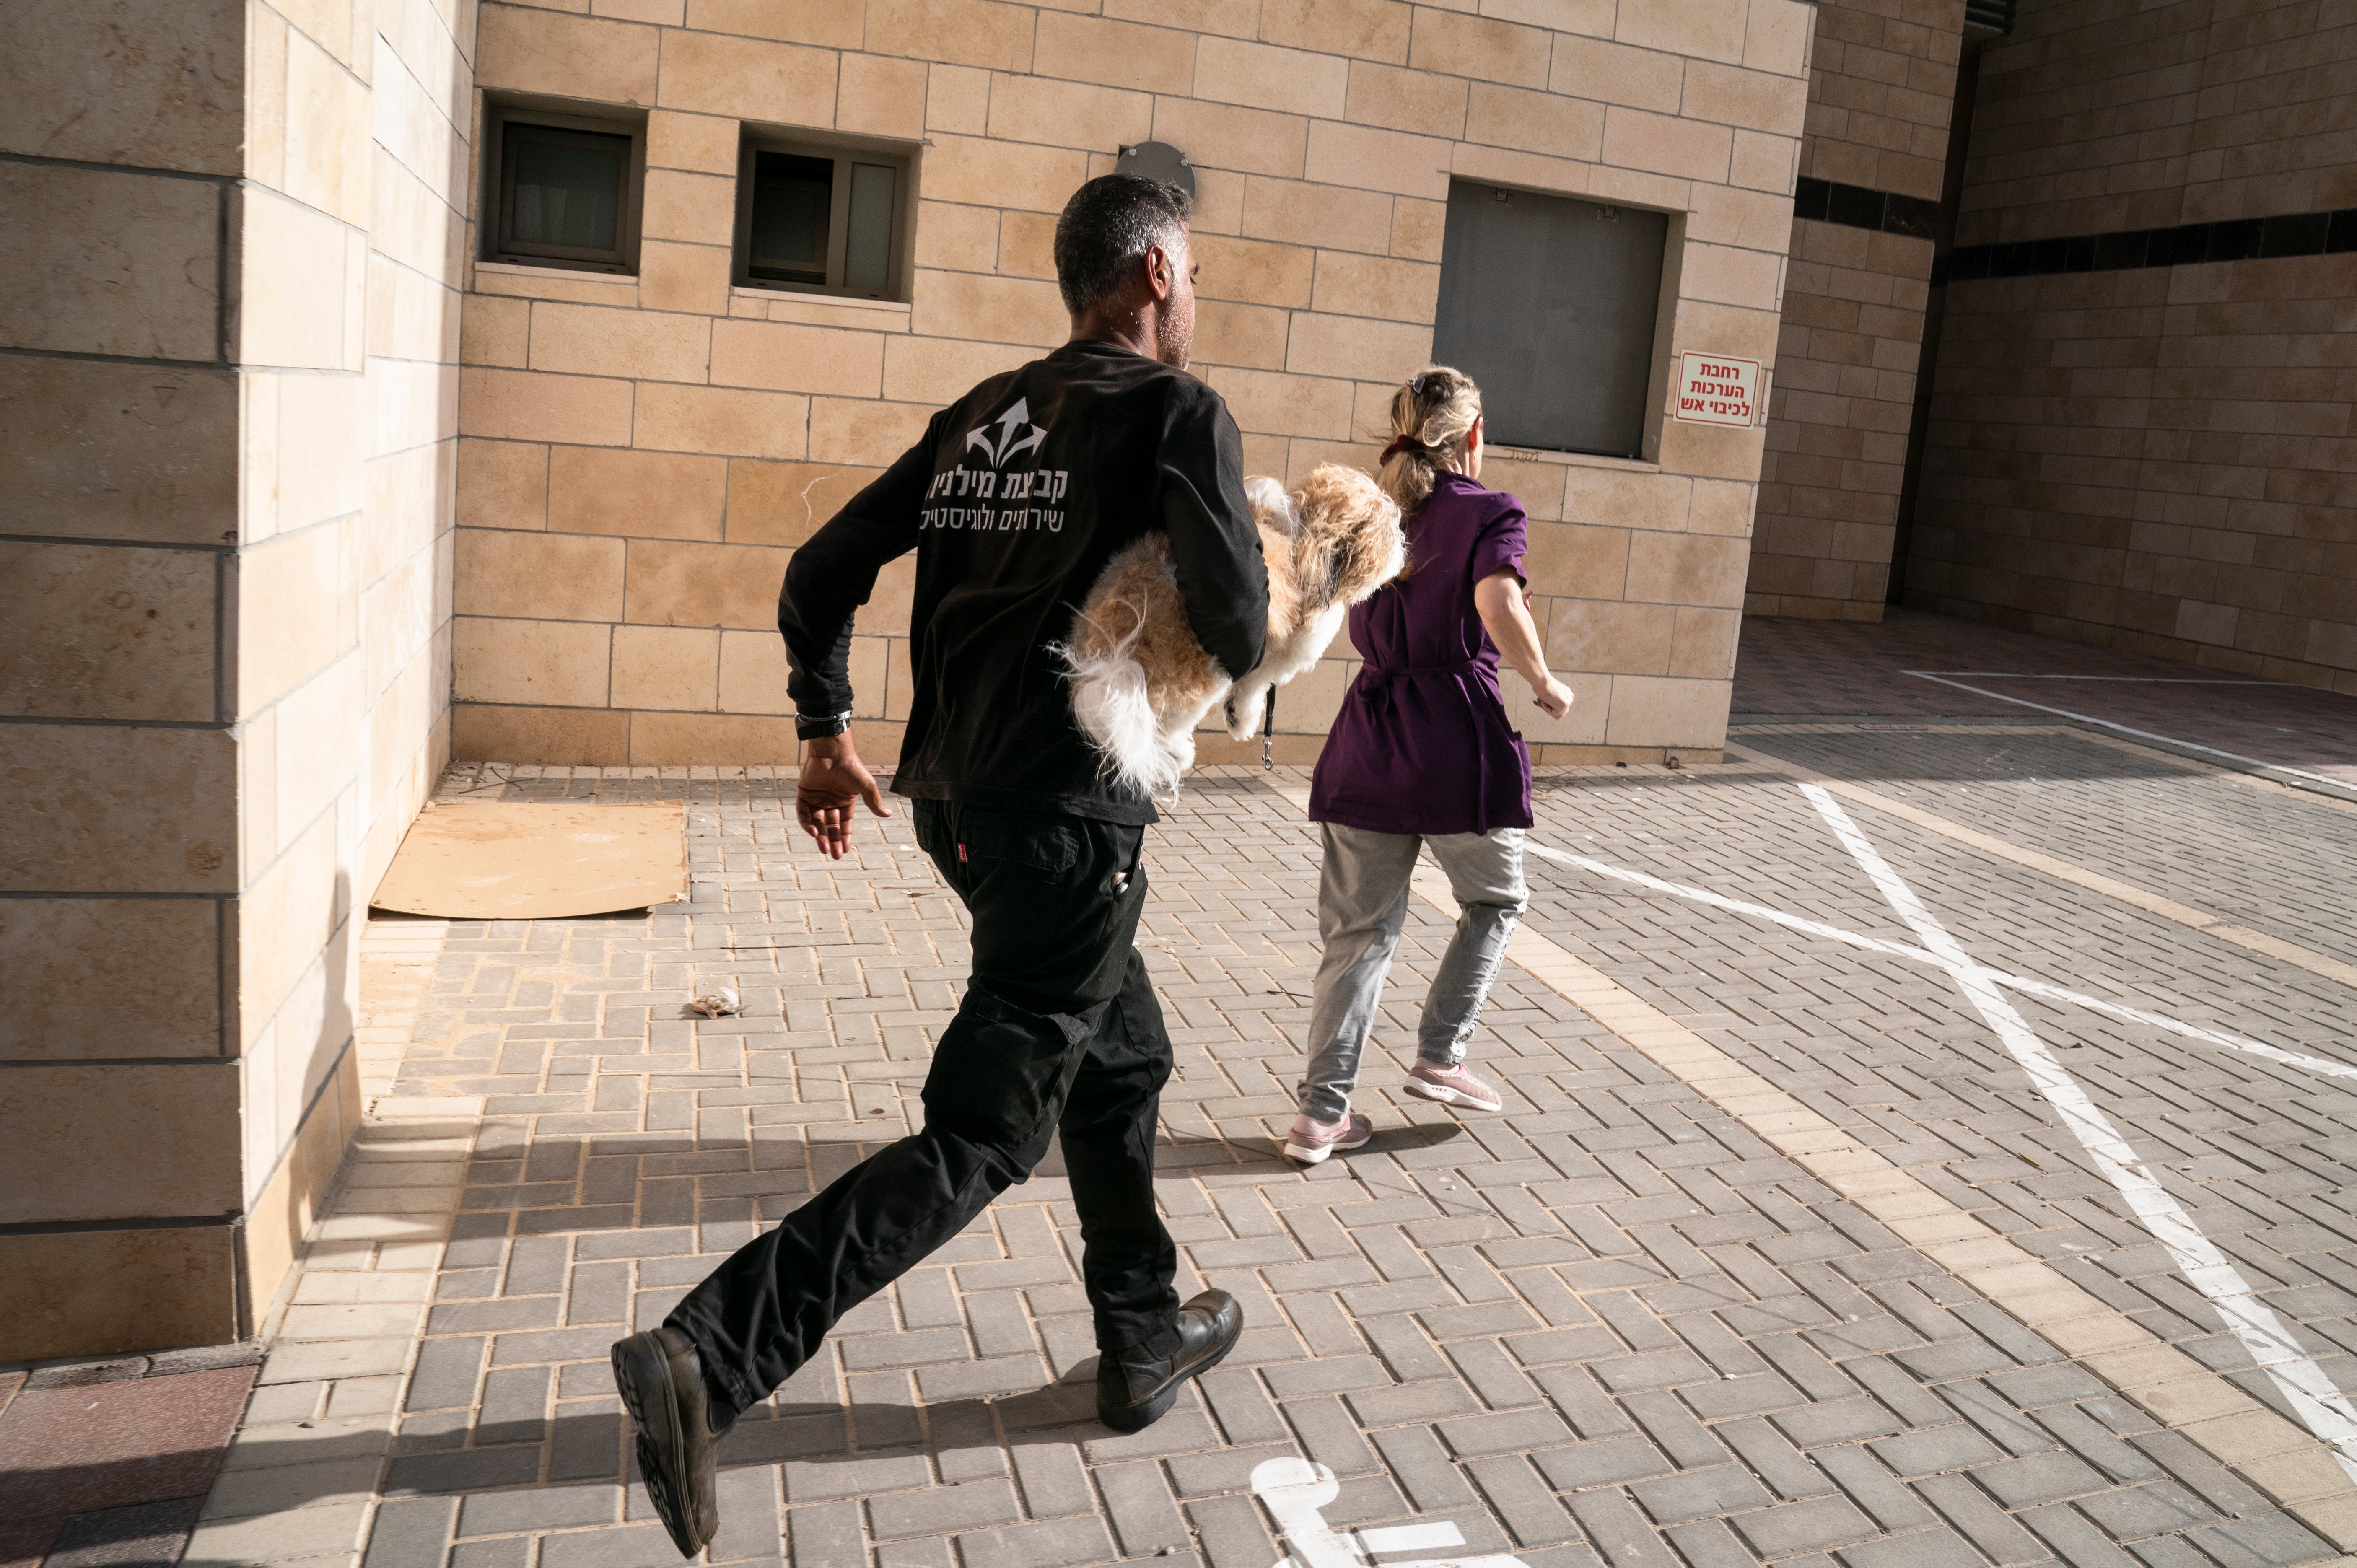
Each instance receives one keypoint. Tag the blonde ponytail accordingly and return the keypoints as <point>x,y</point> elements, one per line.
<point>1432,413</point>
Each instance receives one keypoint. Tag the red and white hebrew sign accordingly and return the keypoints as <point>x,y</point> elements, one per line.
<point>1715,388</point>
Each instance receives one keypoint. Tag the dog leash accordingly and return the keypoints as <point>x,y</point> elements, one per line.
<point>1268,733</point>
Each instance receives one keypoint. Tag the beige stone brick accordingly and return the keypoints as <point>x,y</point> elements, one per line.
<point>1578,559</point>
<point>1357,349</point>
<point>1538,485</point>
<point>540,663</point>
<point>1721,506</point>
<point>859,432</point>
<point>1417,229</point>
<point>297,611</point>
<point>1368,29</point>
<point>664,667</point>
<point>161,957</point>
<point>1599,638</point>
<point>713,74</point>
<point>104,263</point>
<point>1726,275</point>
<point>1232,18</point>
<point>1246,335</point>
<point>1512,167</point>
<point>1219,199</point>
<point>1376,287</point>
<point>880,97</point>
<point>103,809</point>
<point>1605,72</point>
<point>829,22</point>
<point>675,740</point>
<point>979,308</point>
<point>1699,570</point>
<point>533,50</point>
<point>502,484</point>
<point>1755,100</point>
<point>700,208</point>
<point>1223,136</point>
<point>674,583</point>
<point>1534,122</point>
<point>538,577</point>
<point>1003,174</point>
<point>1262,76</point>
<point>106,633</point>
<point>585,340</point>
<point>785,503</point>
<point>1777,36</point>
<point>724,421</point>
<point>956,32</point>
<point>699,144</point>
<point>99,450</point>
<point>1116,54</point>
<point>77,92</point>
<point>1255,272</point>
<point>964,239</point>
<point>1592,17</point>
<point>327,133</point>
<point>785,358</point>
<point>1068,114</point>
<point>525,406</point>
<point>576,736</point>
<point>1704,29</point>
<point>1391,161</point>
<point>662,13</point>
<point>1401,99</point>
<point>957,98</point>
<point>690,278</point>
<point>1661,145</point>
<point>617,490</point>
<point>187,1150</point>
<point>1322,216</point>
<point>1286,405</point>
<point>1478,48</point>
<point>1027,245</point>
<point>932,372</point>
<point>753,672</point>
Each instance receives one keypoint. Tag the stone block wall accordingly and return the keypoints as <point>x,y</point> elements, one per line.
<point>2159,457</point>
<point>640,456</point>
<point>226,440</point>
<point>1882,80</point>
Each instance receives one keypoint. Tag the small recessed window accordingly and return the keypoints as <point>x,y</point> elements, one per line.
<point>1550,304</point>
<point>821,220</point>
<point>564,191</point>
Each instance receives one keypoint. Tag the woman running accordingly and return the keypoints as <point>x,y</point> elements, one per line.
<point>1422,756</point>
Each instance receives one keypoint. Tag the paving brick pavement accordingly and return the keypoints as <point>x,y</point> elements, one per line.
<point>1612,1326</point>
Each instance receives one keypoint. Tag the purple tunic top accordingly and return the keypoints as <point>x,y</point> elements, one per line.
<point>1422,744</point>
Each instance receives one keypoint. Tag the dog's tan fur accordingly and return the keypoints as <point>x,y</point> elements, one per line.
<point>1140,681</point>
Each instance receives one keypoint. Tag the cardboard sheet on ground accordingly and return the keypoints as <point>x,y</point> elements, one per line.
<point>469,860</point>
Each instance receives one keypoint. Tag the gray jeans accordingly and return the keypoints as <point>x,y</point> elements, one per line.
<point>1363,896</point>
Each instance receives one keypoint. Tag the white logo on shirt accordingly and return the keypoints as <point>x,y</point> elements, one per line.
<point>1016,433</point>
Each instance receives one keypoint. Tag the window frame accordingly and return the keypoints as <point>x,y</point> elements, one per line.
<point>498,196</point>
<point>1666,297</point>
<point>842,151</point>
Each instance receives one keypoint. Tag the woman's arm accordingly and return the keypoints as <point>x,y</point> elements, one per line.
<point>1498,599</point>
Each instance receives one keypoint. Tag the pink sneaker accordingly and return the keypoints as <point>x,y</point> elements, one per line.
<point>1310,1140</point>
<point>1451,1086</point>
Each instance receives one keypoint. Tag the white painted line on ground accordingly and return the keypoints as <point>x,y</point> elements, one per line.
<point>2141,733</point>
<point>2128,680</point>
<point>1919,955</point>
<point>2321,1405</point>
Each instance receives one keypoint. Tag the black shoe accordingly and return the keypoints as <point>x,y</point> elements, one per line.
<point>1133,1390</point>
<point>662,1384</point>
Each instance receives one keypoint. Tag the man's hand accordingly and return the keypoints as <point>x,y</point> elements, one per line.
<point>834,781</point>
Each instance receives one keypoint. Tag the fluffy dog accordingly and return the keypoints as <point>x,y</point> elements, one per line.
<point>1140,681</point>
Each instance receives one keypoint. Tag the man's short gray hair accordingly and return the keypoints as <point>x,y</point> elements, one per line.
<point>1107,225</point>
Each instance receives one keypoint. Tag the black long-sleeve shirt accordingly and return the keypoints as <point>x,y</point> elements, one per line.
<point>1014,500</point>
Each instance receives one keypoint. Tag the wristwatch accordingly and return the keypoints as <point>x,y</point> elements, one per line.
<point>822,728</point>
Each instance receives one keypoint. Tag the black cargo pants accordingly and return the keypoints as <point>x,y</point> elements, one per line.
<point>1060,1032</point>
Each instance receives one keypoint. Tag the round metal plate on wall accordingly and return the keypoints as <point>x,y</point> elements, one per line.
<point>1159,160</point>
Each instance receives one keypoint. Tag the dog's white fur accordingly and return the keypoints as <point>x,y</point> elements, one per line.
<point>1140,681</point>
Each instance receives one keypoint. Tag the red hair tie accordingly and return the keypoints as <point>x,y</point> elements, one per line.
<point>1399,443</point>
